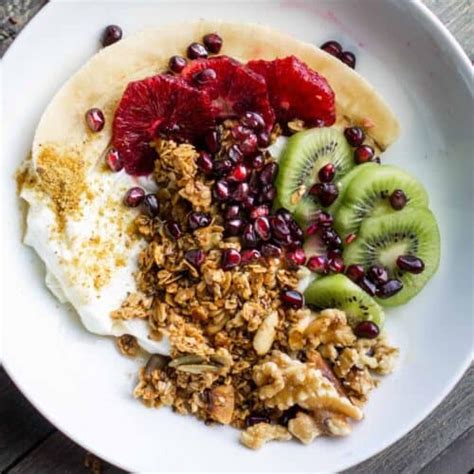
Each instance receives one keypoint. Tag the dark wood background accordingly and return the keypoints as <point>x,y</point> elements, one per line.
<point>442,444</point>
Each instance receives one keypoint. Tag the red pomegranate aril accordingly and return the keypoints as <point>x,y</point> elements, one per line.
<point>363,154</point>
<point>285,214</point>
<point>332,47</point>
<point>195,257</point>
<point>348,58</point>
<point>411,264</point>
<point>113,160</point>
<point>95,119</point>
<point>235,154</point>
<point>177,63</point>
<point>230,259</point>
<point>221,190</point>
<point>133,197</point>
<point>355,136</point>
<point>213,141</point>
<point>233,227</point>
<point>312,229</point>
<point>280,227</point>
<point>328,235</point>
<point>111,35</point>
<point>152,204</point>
<point>270,250</point>
<point>212,42</point>
<point>259,211</point>
<point>268,173</point>
<point>250,255</point>
<point>329,194</point>
<point>268,193</point>
<point>389,289</point>
<point>367,330</point>
<point>295,258</point>
<point>377,275</point>
<point>335,243</point>
<point>249,145</point>
<point>253,120</point>
<point>173,229</point>
<point>197,220</point>
<point>262,228</point>
<point>398,199</point>
<point>350,238</point>
<point>232,211</point>
<point>248,202</point>
<point>354,272</point>
<point>334,253</point>
<point>240,133</point>
<point>239,174</point>
<point>249,237</point>
<point>196,50</point>
<point>296,231</point>
<point>240,192</point>
<point>205,76</point>
<point>205,163</point>
<point>222,168</point>
<point>318,264</point>
<point>257,162</point>
<point>336,265</point>
<point>367,285</point>
<point>324,219</point>
<point>263,139</point>
<point>292,298</point>
<point>326,173</point>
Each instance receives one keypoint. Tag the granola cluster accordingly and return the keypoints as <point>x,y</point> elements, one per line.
<point>239,356</point>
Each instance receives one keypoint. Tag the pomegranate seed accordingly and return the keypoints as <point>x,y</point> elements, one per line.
<point>377,275</point>
<point>233,226</point>
<point>95,119</point>
<point>355,136</point>
<point>262,228</point>
<point>232,211</point>
<point>253,120</point>
<point>268,173</point>
<point>389,289</point>
<point>312,229</point>
<point>348,58</point>
<point>249,237</point>
<point>280,227</point>
<point>259,211</point>
<point>295,258</point>
<point>263,139</point>
<point>234,154</point>
<point>327,193</point>
<point>249,146</point>
<point>205,163</point>
<point>250,255</point>
<point>326,173</point>
<point>205,76</point>
<point>332,47</point>
<point>350,238</point>
<point>239,173</point>
<point>152,204</point>
<point>230,259</point>
<point>324,219</point>
<point>354,272</point>
<point>285,214</point>
<point>177,63</point>
<point>222,168</point>
<point>240,133</point>
<point>268,193</point>
<point>197,220</point>
<point>363,154</point>
<point>212,42</point>
<point>248,202</point>
<point>241,192</point>
<point>196,50</point>
<point>292,298</point>
<point>334,253</point>
<point>113,159</point>
<point>213,141</point>
<point>111,35</point>
<point>296,231</point>
<point>336,265</point>
<point>398,199</point>
<point>367,285</point>
<point>270,250</point>
<point>195,257</point>
<point>174,230</point>
<point>367,330</point>
<point>318,264</point>
<point>410,263</point>
<point>329,235</point>
<point>221,190</point>
<point>257,162</point>
<point>133,197</point>
<point>335,243</point>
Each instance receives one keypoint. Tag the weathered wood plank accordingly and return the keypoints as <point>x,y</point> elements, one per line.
<point>21,426</point>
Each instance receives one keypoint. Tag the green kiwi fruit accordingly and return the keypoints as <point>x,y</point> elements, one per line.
<point>367,195</point>
<point>381,240</point>
<point>304,155</point>
<point>337,291</point>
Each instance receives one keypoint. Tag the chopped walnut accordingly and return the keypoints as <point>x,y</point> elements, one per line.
<point>221,403</point>
<point>304,427</point>
<point>332,424</point>
<point>257,435</point>
<point>128,345</point>
<point>385,355</point>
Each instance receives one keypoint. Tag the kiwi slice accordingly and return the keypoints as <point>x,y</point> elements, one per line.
<point>337,291</point>
<point>307,210</point>
<point>367,195</point>
<point>304,155</point>
<point>381,240</point>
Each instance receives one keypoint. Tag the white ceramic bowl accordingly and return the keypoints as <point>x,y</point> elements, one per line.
<point>80,382</point>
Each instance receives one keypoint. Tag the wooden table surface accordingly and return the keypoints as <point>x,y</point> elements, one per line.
<point>443,443</point>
